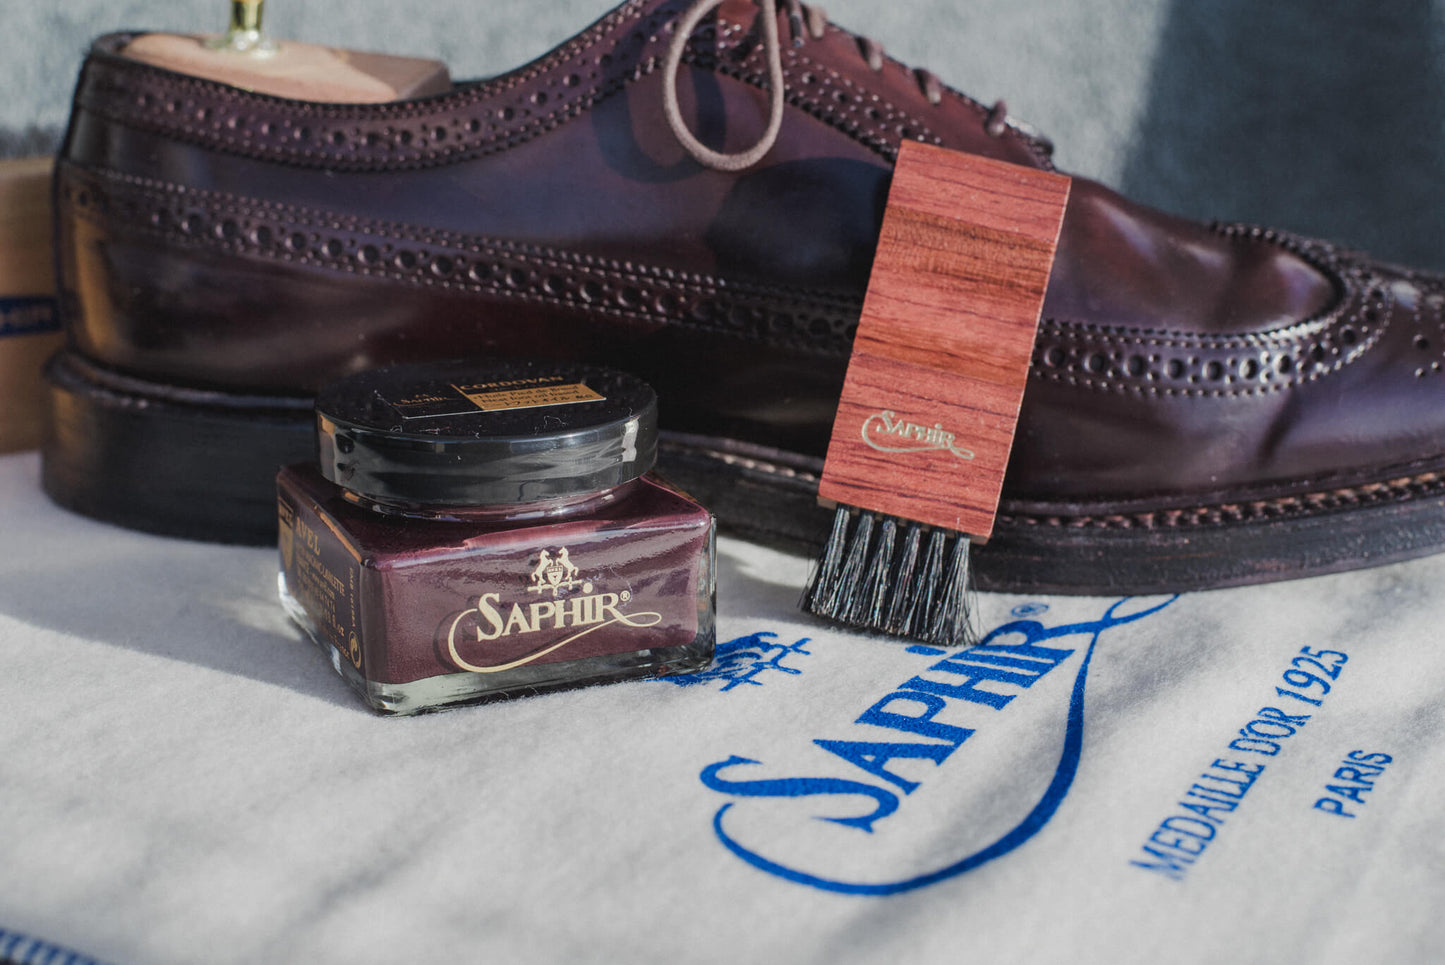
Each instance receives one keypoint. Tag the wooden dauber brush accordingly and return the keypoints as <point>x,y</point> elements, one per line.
<point>932,393</point>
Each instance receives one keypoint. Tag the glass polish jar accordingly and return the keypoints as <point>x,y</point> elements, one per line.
<point>481,531</point>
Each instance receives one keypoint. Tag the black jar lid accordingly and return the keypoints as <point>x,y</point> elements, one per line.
<point>485,433</point>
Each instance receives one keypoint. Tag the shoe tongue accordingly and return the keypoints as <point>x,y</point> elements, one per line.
<point>1123,265</point>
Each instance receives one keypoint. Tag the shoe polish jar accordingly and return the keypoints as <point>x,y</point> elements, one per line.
<point>480,531</point>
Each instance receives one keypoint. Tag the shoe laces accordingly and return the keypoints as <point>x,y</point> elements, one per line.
<point>803,21</point>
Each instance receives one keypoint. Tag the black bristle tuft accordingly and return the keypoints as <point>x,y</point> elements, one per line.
<point>928,580</point>
<point>872,595</point>
<point>854,566</point>
<point>825,576</point>
<point>951,624</point>
<point>843,563</point>
<point>866,579</point>
<point>905,587</point>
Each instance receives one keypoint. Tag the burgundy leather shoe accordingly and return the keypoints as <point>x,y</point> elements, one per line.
<point>1208,405</point>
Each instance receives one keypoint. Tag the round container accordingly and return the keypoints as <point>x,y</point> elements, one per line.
<point>461,438</point>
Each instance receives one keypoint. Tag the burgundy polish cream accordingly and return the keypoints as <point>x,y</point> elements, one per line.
<point>476,531</point>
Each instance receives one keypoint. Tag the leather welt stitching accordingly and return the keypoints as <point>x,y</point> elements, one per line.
<point>1422,486</point>
<point>768,468</point>
<point>1419,486</point>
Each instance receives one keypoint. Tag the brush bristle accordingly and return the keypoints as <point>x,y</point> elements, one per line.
<point>867,580</point>
<point>871,595</point>
<point>950,625</point>
<point>905,594</point>
<point>818,596</point>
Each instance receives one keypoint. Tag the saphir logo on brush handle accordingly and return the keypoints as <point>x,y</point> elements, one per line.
<point>887,432</point>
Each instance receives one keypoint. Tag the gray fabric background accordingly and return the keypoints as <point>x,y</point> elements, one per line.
<point>1322,116</point>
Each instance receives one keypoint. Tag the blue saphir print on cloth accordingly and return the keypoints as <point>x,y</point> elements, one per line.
<point>171,740</point>
<point>744,660</point>
<point>842,817</point>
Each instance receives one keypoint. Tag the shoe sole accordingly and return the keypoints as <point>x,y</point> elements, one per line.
<point>202,465</point>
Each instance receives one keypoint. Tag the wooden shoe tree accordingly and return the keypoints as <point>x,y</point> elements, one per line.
<point>244,57</point>
<point>29,331</point>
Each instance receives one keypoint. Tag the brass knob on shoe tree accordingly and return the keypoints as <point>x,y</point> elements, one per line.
<point>244,35</point>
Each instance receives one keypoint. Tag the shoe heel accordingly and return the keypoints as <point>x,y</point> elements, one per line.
<point>193,464</point>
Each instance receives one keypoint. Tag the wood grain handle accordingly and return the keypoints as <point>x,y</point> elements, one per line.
<point>933,389</point>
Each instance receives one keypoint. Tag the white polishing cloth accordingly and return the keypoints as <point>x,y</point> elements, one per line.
<point>183,778</point>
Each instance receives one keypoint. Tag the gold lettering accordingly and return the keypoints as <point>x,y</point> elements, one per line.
<point>487,611</point>
<point>489,623</point>
<point>881,429</point>
<point>650,619</point>
<point>423,399</point>
<point>308,536</point>
<point>577,610</point>
<point>607,604</point>
<point>517,619</point>
<point>540,610</point>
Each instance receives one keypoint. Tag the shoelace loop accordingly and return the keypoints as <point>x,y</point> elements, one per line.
<point>672,63</point>
<point>802,20</point>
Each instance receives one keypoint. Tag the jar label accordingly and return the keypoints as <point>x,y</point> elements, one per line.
<point>500,634</point>
<point>322,574</point>
<point>495,396</point>
<point>460,603</point>
<point>493,399</point>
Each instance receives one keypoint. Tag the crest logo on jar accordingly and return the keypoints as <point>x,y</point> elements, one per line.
<point>555,573</point>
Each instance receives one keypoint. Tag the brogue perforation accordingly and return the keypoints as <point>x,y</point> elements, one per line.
<point>1208,405</point>
<point>526,273</point>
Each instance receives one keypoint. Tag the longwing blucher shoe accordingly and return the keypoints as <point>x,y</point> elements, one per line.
<point>692,191</point>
